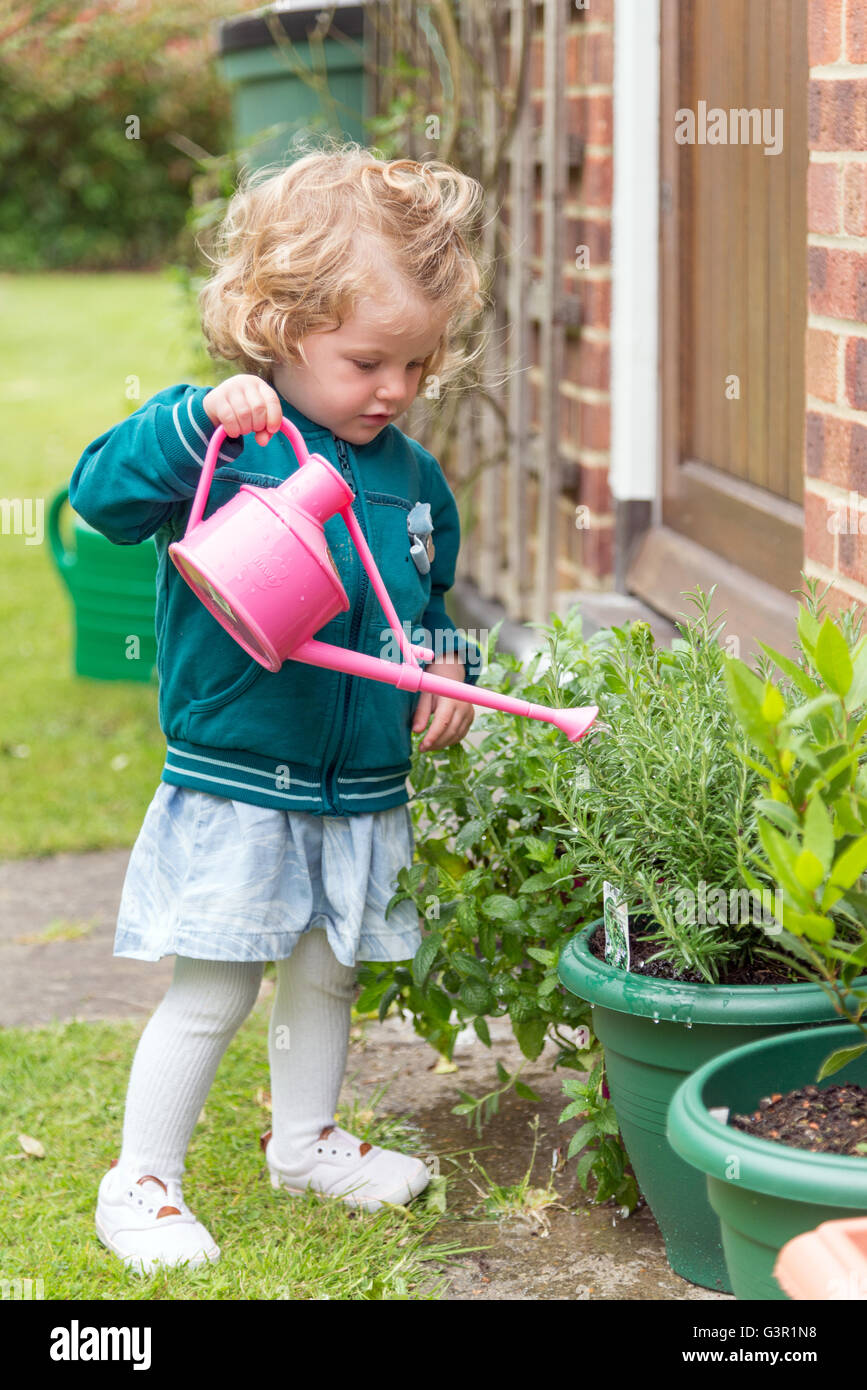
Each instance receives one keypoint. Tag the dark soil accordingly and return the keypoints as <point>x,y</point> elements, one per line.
<point>832,1121</point>
<point>754,973</point>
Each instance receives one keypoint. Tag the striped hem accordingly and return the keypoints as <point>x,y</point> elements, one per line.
<point>281,784</point>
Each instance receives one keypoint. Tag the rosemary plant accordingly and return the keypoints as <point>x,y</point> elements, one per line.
<point>661,804</point>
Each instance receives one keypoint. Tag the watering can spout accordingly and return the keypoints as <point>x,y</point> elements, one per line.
<point>574,723</point>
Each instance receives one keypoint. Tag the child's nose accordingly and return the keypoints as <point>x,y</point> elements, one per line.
<point>391,387</point>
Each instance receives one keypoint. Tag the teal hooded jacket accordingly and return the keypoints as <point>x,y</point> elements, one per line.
<point>302,738</point>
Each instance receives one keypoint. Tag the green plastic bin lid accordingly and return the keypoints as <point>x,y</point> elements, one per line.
<point>296,17</point>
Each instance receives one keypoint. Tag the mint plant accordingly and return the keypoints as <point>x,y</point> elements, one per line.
<point>808,731</point>
<point>498,893</point>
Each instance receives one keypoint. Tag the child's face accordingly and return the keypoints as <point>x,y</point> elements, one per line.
<point>365,374</point>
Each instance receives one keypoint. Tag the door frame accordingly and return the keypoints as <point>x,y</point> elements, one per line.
<point>655,561</point>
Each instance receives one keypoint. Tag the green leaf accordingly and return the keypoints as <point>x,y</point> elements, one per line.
<point>545,879</point>
<point>745,693</point>
<point>526,1092</point>
<point>575,1107</point>
<point>531,1036</point>
<point>780,813</point>
<point>808,924</point>
<point>582,1135</point>
<point>501,908</point>
<point>808,870</point>
<point>805,683</point>
<point>782,856</point>
<point>425,957</point>
<point>847,820</point>
<point>387,1000</point>
<point>831,895</point>
<point>801,714</point>
<point>773,706</point>
<point>481,1028</point>
<point>850,865</point>
<point>438,1002</point>
<point>584,1165</point>
<point>839,1059</point>
<point>808,630</point>
<point>858,689</point>
<point>832,658</point>
<point>477,997</point>
<point>539,849</point>
<point>466,964</point>
<point>468,835</point>
<point>543,956</point>
<point>819,833</point>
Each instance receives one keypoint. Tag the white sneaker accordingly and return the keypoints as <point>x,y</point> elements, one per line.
<point>339,1165</point>
<point>147,1223</point>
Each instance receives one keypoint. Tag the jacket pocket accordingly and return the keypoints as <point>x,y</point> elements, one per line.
<point>243,682</point>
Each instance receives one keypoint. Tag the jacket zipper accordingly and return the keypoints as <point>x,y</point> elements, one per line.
<point>355,626</point>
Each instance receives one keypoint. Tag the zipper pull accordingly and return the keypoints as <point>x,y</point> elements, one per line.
<point>344,459</point>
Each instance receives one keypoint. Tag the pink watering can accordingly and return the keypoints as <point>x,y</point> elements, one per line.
<point>262,567</point>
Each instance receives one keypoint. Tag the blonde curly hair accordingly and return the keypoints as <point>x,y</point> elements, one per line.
<point>301,246</point>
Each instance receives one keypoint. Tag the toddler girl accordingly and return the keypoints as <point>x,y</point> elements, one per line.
<point>281,817</point>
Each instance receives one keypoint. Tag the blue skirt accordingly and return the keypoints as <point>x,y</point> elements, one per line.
<point>217,879</point>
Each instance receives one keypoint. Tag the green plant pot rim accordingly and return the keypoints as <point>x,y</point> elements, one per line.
<point>629,993</point>
<point>765,1165</point>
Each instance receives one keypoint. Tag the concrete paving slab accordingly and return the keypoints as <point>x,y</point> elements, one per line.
<point>57,923</point>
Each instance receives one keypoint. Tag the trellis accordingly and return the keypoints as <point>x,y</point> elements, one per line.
<point>516,488</point>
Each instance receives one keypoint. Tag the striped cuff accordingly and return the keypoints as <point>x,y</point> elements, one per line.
<point>184,431</point>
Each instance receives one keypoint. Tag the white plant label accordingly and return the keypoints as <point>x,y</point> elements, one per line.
<point>616,914</point>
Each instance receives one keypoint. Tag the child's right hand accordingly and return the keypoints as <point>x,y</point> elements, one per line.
<point>245,404</point>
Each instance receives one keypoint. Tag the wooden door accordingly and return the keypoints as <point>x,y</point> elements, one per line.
<point>733,247</point>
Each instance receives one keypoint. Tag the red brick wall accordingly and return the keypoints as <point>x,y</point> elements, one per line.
<point>585,555</point>
<point>835,484</point>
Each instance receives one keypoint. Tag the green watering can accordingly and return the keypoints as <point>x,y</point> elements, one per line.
<point>113,589</point>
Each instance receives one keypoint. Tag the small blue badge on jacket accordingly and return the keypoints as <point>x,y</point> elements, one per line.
<point>420,527</point>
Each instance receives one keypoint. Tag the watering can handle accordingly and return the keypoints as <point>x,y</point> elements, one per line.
<point>295,437</point>
<point>64,558</point>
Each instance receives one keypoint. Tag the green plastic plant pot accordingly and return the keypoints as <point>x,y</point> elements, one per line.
<point>655,1033</point>
<point>766,1193</point>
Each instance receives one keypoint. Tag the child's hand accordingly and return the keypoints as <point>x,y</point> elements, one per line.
<point>451,718</point>
<point>244,404</point>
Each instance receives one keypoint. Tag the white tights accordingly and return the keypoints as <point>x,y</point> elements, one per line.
<point>181,1047</point>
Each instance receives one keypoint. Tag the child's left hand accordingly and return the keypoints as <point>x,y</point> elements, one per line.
<point>451,718</point>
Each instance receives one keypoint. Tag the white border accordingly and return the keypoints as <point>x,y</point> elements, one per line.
<point>635,450</point>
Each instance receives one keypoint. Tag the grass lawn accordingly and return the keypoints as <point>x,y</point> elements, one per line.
<point>79,759</point>
<point>64,1087</point>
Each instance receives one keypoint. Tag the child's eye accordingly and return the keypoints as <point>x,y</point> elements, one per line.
<point>368,366</point>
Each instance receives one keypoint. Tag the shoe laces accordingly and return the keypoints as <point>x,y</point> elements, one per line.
<point>340,1137</point>
<point>146,1193</point>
